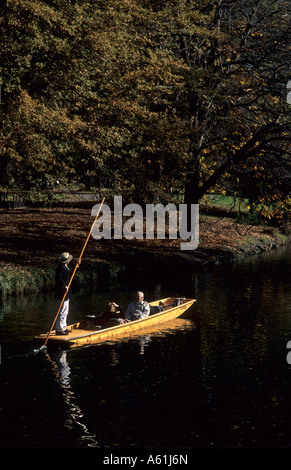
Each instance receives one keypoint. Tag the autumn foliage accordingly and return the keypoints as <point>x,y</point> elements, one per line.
<point>147,97</point>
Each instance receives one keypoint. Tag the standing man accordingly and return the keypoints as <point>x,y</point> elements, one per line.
<point>138,309</point>
<point>62,280</point>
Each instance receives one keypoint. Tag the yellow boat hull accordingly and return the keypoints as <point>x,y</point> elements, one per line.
<point>79,337</point>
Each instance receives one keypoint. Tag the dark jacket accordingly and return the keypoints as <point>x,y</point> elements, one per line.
<point>108,316</point>
<point>62,279</point>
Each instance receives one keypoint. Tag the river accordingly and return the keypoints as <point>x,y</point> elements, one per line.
<point>218,379</point>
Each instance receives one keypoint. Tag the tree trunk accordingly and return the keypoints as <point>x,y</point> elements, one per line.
<point>191,193</point>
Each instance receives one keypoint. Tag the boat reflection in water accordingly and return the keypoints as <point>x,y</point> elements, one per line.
<point>59,359</point>
<point>144,339</point>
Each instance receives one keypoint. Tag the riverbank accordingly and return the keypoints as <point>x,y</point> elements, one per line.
<point>32,239</point>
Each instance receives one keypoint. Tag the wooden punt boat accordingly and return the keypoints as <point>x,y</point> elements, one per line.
<point>172,308</point>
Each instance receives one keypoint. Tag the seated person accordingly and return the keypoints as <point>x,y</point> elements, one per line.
<point>113,315</point>
<point>137,309</point>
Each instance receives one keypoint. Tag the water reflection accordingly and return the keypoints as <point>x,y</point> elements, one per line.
<point>218,380</point>
<point>67,378</point>
<point>62,372</point>
<point>142,342</point>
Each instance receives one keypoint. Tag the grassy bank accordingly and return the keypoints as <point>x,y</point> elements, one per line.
<point>21,280</point>
<point>31,240</point>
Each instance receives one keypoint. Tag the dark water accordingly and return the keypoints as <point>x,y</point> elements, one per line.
<point>220,380</point>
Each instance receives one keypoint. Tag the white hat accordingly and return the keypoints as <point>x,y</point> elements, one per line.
<point>65,257</point>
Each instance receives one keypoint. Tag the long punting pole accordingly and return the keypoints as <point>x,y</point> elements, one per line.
<point>73,274</point>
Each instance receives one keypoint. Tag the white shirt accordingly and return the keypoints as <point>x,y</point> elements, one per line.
<point>138,309</point>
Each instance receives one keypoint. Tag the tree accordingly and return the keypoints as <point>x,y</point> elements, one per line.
<point>236,99</point>
<point>36,127</point>
<point>139,95</point>
<point>82,95</point>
